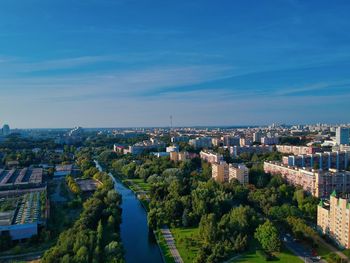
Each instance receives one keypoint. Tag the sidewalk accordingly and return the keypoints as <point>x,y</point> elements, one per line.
<point>169,239</point>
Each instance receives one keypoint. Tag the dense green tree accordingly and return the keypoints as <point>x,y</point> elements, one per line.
<point>129,170</point>
<point>258,177</point>
<point>300,229</point>
<point>82,255</point>
<point>208,228</point>
<point>267,235</point>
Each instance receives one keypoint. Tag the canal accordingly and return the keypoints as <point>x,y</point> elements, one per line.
<point>139,242</point>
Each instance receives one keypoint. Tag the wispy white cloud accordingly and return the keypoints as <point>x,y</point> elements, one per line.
<point>18,65</point>
<point>139,30</point>
<point>315,88</point>
<point>120,83</point>
<point>65,63</point>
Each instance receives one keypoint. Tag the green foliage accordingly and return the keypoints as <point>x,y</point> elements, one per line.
<point>5,242</point>
<point>72,184</point>
<point>258,177</point>
<point>129,170</point>
<point>306,203</point>
<point>264,198</point>
<point>226,236</point>
<point>300,229</point>
<point>86,240</point>
<point>226,214</point>
<point>293,141</point>
<point>208,228</point>
<point>267,235</point>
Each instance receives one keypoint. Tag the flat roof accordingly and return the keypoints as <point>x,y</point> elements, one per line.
<point>27,211</point>
<point>6,218</point>
<point>20,176</point>
<point>64,167</point>
<point>87,185</point>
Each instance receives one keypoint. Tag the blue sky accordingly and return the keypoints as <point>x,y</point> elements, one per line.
<point>117,63</point>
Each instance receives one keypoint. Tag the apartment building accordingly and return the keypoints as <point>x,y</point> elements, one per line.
<point>140,147</point>
<point>224,172</point>
<point>231,141</point>
<point>319,183</point>
<point>341,147</point>
<point>237,150</point>
<point>239,172</point>
<point>180,139</point>
<point>245,142</point>
<point>118,148</point>
<point>270,140</point>
<point>201,142</point>
<point>172,148</point>
<point>257,136</point>
<point>211,157</point>
<point>342,135</point>
<point>220,172</point>
<point>324,161</point>
<point>296,150</point>
<point>333,219</point>
<point>182,156</point>
<point>216,142</point>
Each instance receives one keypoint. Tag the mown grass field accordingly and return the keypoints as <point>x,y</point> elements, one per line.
<point>253,256</point>
<point>187,242</point>
<point>140,183</point>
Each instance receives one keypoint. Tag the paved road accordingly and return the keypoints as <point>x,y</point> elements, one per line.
<point>27,257</point>
<point>171,244</point>
<point>303,253</point>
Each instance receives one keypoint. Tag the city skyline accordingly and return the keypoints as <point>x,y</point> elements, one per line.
<point>132,64</point>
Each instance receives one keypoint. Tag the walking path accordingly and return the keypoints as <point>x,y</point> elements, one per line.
<point>169,239</point>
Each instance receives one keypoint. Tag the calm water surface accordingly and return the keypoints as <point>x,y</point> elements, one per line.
<point>139,243</point>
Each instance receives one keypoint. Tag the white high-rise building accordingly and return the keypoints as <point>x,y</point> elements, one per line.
<point>257,136</point>
<point>6,130</point>
<point>342,135</point>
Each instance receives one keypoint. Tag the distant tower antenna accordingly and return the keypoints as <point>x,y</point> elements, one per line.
<point>171,125</point>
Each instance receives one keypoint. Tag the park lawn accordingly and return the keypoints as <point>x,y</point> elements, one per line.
<point>164,247</point>
<point>251,256</point>
<point>187,242</point>
<point>140,183</point>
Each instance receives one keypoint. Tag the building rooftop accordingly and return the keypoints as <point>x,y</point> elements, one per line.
<point>64,167</point>
<point>6,218</point>
<point>27,210</point>
<point>87,185</point>
<point>21,176</point>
